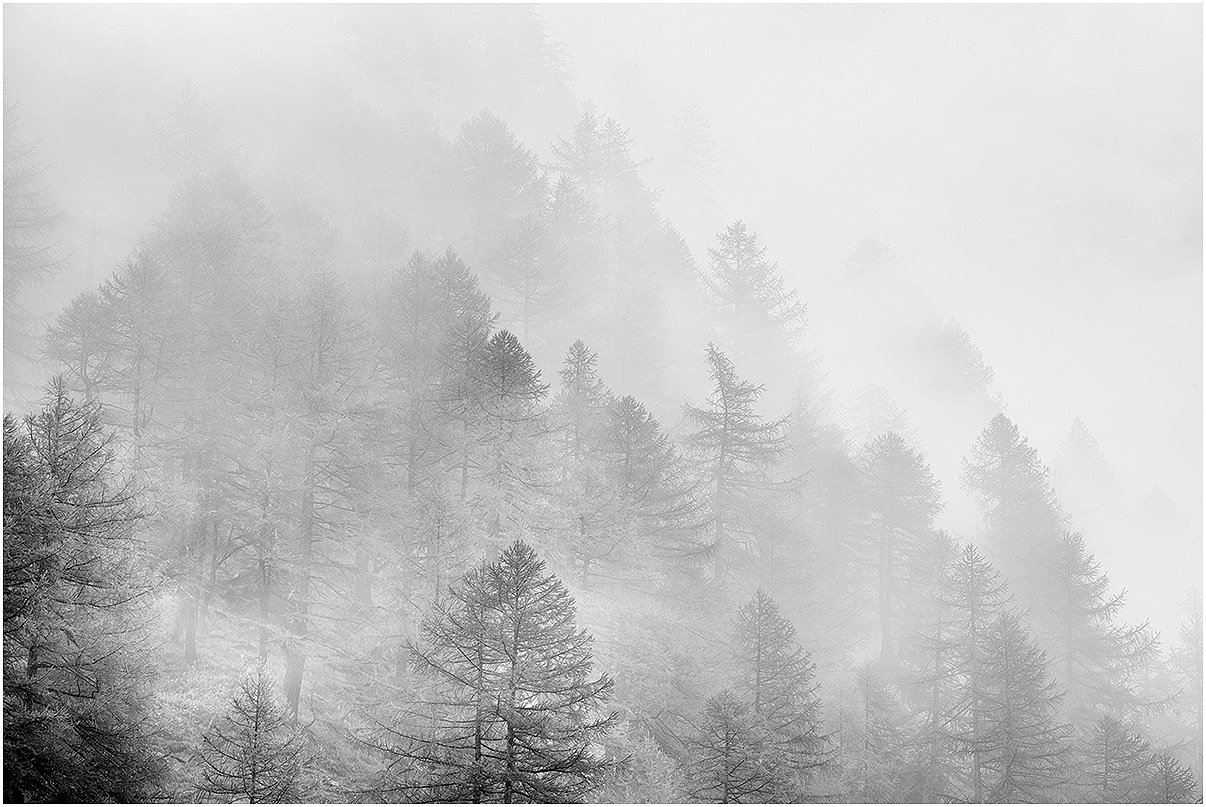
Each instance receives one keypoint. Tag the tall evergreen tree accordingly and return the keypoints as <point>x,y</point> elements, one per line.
<point>253,752</point>
<point>77,668</point>
<point>731,760</point>
<point>1098,660</point>
<point>748,289</point>
<point>1024,747</point>
<point>736,450</point>
<point>512,711</point>
<point>902,499</point>
<point>778,679</point>
<point>1113,763</point>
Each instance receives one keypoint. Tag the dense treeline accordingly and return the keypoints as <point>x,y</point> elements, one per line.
<point>312,516</point>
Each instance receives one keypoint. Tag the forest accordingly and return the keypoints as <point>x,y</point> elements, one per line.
<point>444,467</point>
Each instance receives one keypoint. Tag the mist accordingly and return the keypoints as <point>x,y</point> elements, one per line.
<point>970,243</point>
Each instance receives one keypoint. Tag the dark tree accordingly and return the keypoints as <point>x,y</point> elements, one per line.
<point>254,753</point>
<point>511,712</point>
<point>731,760</point>
<point>77,672</point>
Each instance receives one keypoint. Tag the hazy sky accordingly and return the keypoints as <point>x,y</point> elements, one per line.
<point>1037,168</point>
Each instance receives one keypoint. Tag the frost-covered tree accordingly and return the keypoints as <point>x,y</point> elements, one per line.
<point>253,753</point>
<point>510,709</point>
<point>77,668</point>
<point>776,677</point>
<point>731,760</point>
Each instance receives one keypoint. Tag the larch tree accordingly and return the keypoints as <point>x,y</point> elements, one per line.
<point>511,419</point>
<point>1025,746</point>
<point>33,253</point>
<point>1023,519</point>
<point>776,677</point>
<point>509,709</point>
<point>748,289</point>
<point>736,451</point>
<point>77,666</point>
<point>1113,761</point>
<point>1098,659</point>
<point>731,760</point>
<point>1170,782</point>
<point>951,688</point>
<point>253,752</point>
<point>902,500</point>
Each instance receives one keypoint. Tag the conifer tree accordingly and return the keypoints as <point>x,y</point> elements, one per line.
<point>1098,660</point>
<point>77,672</point>
<point>902,500</point>
<point>736,451</point>
<point>748,289</point>
<point>778,679</point>
<point>1024,749</point>
<point>1113,764</point>
<point>952,686</point>
<point>1170,782</point>
<point>731,760</point>
<point>511,418</point>
<point>253,752</point>
<point>32,252</point>
<point>1023,519</point>
<point>512,710</point>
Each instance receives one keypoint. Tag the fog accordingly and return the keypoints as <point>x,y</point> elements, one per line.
<point>948,190</point>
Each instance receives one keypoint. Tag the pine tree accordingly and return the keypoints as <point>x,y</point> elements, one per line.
<point>731,760</point>
<point>253,752</point>
<point>736,450</point>
<point>778,679</point>
<point>77,672</point>
<point>902,499</point>
<point>511,712</point>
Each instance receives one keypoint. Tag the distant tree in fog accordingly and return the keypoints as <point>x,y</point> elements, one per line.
<point>1112,764</point>
<point>33,254</point>
<point>736,450</point>
<point>902,500</point>
<point>748,289</point>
